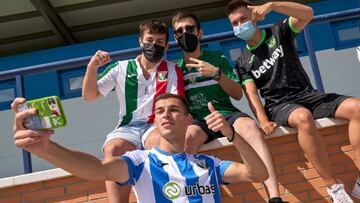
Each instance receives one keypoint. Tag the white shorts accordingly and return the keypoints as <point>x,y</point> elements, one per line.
<point>135,132</point>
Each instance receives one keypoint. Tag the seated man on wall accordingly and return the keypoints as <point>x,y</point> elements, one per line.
<point>270,63</point>
<point>137,82</point>
<point>162,174</point>
<point>208,77</point>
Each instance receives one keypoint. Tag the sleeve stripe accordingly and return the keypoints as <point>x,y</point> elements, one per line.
<point>247,81</point>
<point>130,170</point>
<point>292,27</point>
<point>107,70</point>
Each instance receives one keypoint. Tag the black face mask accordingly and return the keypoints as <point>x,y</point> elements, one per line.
<point>188,42</point>
<point>153,52</point>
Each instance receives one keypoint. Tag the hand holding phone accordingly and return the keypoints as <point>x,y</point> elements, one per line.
<point>50,113</point>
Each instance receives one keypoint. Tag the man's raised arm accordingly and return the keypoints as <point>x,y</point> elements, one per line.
<point>77,163</point>
<point>253,168</point>
<point>90,87</point>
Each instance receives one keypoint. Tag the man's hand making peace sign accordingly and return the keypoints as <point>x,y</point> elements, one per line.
<point>204,68</point>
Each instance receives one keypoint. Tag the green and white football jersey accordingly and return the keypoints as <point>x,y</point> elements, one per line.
<point>200,90</point>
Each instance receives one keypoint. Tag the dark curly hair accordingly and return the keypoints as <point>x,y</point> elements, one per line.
<point>154,27</point>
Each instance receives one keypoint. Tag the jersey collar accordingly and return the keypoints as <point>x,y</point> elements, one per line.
<point>182,63</point>
<point>138,58</point>
<point>263,35</point>
<point>168,153</point>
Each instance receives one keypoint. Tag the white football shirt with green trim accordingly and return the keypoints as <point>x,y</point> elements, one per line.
<point>135,93</point>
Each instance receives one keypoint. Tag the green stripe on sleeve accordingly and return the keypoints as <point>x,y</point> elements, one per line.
<point>131,88</point>
<point>108,69</point>
<point>247,81</point>
<point>292,27</point>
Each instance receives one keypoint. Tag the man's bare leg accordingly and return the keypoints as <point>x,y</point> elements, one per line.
<point>249,131</point>
<point>350,110</point>
<point>117,193</point>
<point>312,143</point>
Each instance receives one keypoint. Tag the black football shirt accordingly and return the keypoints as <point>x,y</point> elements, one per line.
<point>274,65</point>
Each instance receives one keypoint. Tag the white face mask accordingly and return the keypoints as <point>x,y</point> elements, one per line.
<point>245,31</point>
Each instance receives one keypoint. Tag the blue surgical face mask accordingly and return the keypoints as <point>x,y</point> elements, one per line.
<point>245,31</point>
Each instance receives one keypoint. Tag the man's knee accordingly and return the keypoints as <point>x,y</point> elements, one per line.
<point>117,147</point>
<point>354,110</point>
<point>194,132</point>
<point>247,127</point>
<point>301,118</point>
<point>152,140</point>
<point>349,109</point>
<point>195,137</point>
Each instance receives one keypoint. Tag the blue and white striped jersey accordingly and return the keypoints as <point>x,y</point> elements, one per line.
<point>159,176</point>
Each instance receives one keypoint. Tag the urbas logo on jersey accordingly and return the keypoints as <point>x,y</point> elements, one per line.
<point>162,76</point>
<point>172,190</point>
<point>268,63</point>
<point>199,190</point>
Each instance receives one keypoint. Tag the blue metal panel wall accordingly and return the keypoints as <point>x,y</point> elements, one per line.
<point>41,85</point>
<point>68,52</point>
<point>322,35</point>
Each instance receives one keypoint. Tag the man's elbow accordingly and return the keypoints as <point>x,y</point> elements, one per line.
<point>237,97</point>
<point>237,94</point>
<point>310,14</point>
<point>88,97</point>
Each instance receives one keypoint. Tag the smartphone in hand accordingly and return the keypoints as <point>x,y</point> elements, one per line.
<point>50,113</point>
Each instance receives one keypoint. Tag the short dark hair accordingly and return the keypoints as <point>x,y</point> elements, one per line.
<point>154,26</point>
<point>233,5</point>
<point>175,96</point>
<point>185,14</point>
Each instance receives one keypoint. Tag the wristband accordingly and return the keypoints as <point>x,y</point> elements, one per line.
<point>233,135</point>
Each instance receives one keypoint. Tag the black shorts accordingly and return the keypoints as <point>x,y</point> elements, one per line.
<point>320,104</point>
<point>230,118</point>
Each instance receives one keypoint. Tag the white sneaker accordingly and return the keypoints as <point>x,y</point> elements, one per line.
<point>338,194</point>
<point>356,190</point>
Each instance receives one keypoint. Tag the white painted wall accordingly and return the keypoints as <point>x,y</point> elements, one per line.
<point>88,123</point>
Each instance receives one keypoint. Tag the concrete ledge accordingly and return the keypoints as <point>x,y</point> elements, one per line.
<point>279,132</point>
<point>33,177</point>
<point>215,144</point>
